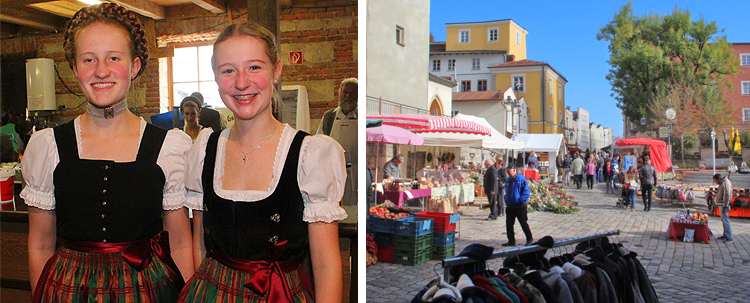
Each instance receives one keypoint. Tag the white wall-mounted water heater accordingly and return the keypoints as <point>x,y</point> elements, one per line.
<point>40,84</point>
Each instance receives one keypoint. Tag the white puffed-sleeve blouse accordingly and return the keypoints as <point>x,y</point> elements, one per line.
<point>321,174</point>
<point>41,159</point>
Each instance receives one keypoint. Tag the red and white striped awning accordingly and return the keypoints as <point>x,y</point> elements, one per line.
<point>419,123</point>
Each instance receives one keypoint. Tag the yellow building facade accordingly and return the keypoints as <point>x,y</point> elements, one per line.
<point>504,35</point>
<point>542,87</point>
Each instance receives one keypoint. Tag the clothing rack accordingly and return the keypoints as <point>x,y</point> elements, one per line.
<point>448,263</point>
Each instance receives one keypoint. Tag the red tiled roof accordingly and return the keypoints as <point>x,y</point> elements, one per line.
<point>480,96</point>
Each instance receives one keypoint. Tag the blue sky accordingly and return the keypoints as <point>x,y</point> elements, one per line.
<point>563,33</point>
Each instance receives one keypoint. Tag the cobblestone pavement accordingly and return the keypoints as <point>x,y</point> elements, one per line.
<point>680,272</point>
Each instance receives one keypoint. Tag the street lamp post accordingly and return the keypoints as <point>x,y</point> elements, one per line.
<point>713,149</point>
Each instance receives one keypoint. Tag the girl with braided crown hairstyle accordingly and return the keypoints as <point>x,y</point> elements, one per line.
<point>110,186</point>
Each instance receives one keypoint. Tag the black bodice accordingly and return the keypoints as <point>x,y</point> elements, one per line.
<point>245,230</point>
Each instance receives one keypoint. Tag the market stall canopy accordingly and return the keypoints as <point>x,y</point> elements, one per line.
<point>657,149</point>
<point>392,135</point>
<point>541,142</point>
<point>420,123</point>
<point>493,141</point>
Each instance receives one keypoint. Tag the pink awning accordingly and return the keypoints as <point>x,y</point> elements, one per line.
<point>420,123</point>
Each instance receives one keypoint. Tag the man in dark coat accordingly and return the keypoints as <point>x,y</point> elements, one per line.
<point>491,187</point>
<point>502,175</point>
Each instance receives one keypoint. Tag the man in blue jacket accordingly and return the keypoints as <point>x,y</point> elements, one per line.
<point>516,196</point>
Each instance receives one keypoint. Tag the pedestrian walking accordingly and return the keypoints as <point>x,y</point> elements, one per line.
<point>648,180</point>
<point>559,164</point>
<point>566,170</point>
<point>516,195</point>
<point>608,173</point>
<point>724,201</point>
<point>490,187</point>
<point>631,181</point>
<point>502,176</point>
<point>577,168</point>
<point>590,173</point>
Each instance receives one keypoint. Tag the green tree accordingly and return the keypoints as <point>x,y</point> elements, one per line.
<point>648,52</point>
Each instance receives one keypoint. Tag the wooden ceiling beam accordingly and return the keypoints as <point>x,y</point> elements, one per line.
<point>186,11</point>
<point>214,6</point>
<point>19,3</point>
<point>20,17</point>
<point>64,9</point>
<point>144,7</point>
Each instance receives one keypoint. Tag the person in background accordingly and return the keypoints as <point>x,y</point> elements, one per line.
<point>392,168</point>
<point>516,195</point>
<point>608,173</point>
<point>9,128</point>
<point>491,187</point>
<point>577,167</point>
<point>209,117</point>
<point>533,160</point>
<point>264,194</point>
<point>599,166</point>
<point>648,180</point>
<point>558,164</point>
<point>566,170</point>
<point>502,176</point>
<point>631,181</point>
<point>109,186</point>
<point>724,201</point>
<point>341,124</point>
<point>590,173</point>
<point>190,109</point>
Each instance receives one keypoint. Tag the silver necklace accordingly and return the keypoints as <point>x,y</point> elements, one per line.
<point>107,112</point>
<point>244,159</point>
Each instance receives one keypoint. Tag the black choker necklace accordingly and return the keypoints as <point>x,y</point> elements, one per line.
<point>107,112</point>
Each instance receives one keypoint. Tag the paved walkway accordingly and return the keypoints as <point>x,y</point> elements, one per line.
<point>680,272</point>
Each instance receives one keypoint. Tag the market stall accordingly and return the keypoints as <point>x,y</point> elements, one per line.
<point>551,144</point>
<point>657,150</point>
<point>391,135</point>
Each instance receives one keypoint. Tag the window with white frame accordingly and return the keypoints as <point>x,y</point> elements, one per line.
<point>192,72</point>
<point>463,36</point>
<point>559,92</point>
<point>551,113</point>
<point>451,64</point>
<point>551,86</point>
<point>400,35</point>
<point>745,87</point>
<point>746,115</point>
<point>518,82</point>
<point>474,63</point>
<point>518,38</point>
<point>481,85</point>
<point>492,34</point>
<point>435,65</point>
<point>466,86</point>
<point>744,59</point>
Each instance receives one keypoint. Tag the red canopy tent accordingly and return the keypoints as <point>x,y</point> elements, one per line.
<point>657,149</point>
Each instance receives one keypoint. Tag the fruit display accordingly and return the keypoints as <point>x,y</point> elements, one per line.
<point>382,212</point>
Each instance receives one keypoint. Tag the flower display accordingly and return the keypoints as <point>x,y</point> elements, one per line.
<point>551,198</point>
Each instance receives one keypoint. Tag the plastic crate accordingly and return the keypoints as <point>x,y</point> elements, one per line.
<point>444,252</point>
<point>370,222</point>
<point>370,231</point>
<point>444,222</point>
<point>412,243</point>
<point>443,239</point>
<point>385,253</point>
<point>384,238</point>
<point>411,257</point>
<point>382,225</point>
<point>412,226</point>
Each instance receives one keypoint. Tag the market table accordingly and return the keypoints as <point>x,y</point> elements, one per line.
<point>676,231</point>
<point>531,174</point>
<point>398,196</point>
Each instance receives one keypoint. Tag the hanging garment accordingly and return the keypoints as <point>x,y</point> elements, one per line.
<point>535,278</point>
<point>533,294</point>
<point>474,294</point>
<point>513,289</point>
<point>574,292</point>
<point>558,286</point>
<point>647,289</point>
<point>583,281</point>
<point>504,289</point>
<point>482,282</point>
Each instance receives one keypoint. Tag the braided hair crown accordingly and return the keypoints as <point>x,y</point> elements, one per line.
<point>110,13</point>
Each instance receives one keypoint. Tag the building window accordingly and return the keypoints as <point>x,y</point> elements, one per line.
<point>518,38</point>
<point>551,86</point>
<point>192,72</point>
<point>746,115</point>
<point>745,87</point>
<point>474,63</point>
<point>481,85</point>
<point>451,64</point>
<point>463,36</point>
<point>560,116</point>
<point>400,35</point>
<point>551,113</point>
<point>518,83</point>
<point>744,59</point>
<point>466,86</point>
<point>559,92</point>
<point>492,34</point>
<point>435,65</point>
